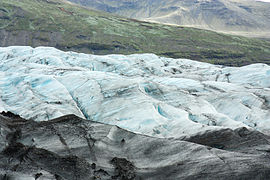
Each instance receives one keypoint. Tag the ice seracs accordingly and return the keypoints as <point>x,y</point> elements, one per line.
<point>142,92</point>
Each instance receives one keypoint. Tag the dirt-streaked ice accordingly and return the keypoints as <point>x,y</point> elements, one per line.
<point>143,92</point>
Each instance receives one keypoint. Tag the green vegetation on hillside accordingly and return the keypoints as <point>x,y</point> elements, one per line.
<point>71,27</point>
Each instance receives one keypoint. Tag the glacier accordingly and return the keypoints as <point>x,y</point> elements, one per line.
<point>142,93</point>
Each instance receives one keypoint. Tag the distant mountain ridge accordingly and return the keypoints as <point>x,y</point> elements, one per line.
<point>245,17</point>
<point>70,27</point>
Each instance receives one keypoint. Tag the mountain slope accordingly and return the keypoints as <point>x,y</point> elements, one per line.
<point>143,93</point>
<point>70,27</point>
<point>246,17</point>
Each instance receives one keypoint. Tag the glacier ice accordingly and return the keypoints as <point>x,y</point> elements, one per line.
<point>143,93</point>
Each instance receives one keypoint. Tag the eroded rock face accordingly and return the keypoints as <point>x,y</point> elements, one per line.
<point>72,148</point>
<point>143,93</point>
<point>222,15</point>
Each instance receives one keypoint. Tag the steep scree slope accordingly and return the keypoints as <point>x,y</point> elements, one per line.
<point>244,17</point>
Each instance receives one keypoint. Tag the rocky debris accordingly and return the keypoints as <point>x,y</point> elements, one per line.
<point>238,140</point>
<point>33,150</point>
<point>123,169</point>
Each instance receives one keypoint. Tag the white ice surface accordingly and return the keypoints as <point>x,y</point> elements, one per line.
<point>143,93</point>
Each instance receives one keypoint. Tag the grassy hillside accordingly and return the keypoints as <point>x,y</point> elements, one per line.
<point>70,27</point>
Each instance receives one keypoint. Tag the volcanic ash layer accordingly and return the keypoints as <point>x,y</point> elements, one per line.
<point>72,148</point>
